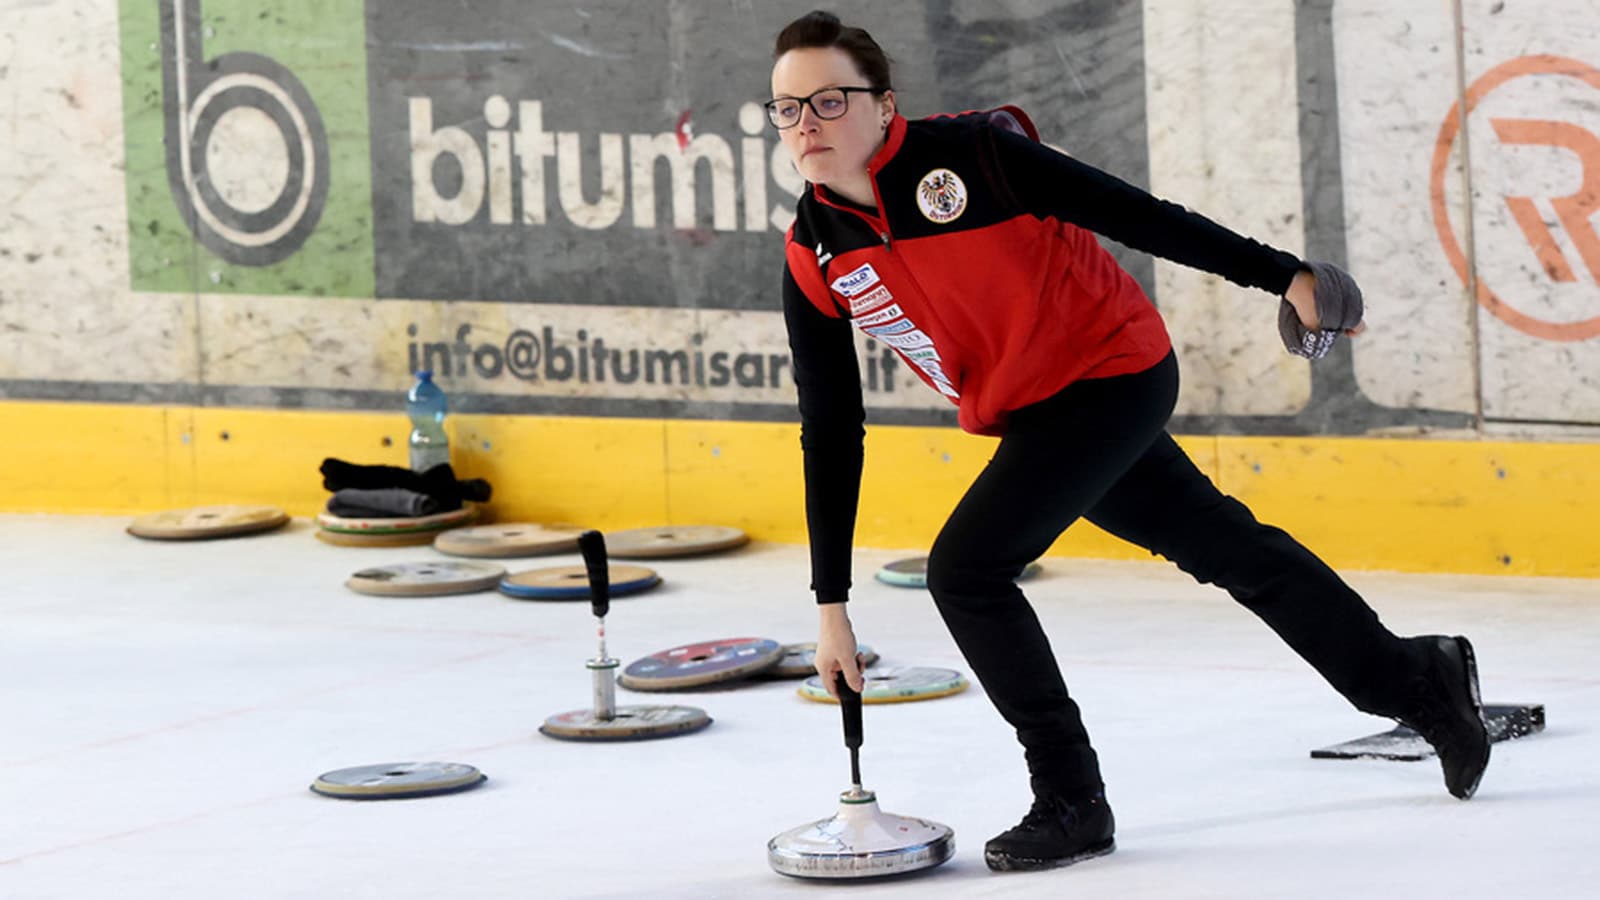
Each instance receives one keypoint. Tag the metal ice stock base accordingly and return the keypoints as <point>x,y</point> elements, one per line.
<point>860,841</point>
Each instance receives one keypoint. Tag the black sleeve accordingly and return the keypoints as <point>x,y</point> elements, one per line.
<point>831,433</point>
<point>1049,184</point>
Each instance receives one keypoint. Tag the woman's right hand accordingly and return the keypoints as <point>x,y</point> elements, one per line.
<point>1302,295</point>
<point>836,649</point>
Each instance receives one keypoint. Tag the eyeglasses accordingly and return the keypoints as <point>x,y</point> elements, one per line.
<point>828,103</point>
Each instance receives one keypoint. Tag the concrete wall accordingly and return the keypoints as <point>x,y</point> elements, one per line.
<point>231,229</point>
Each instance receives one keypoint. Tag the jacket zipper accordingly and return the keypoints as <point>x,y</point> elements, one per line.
<point>928,306</point>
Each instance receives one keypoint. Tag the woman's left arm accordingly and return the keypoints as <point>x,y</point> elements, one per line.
<point>1049,184</point>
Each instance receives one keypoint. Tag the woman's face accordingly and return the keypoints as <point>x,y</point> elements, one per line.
<point>830,150</point>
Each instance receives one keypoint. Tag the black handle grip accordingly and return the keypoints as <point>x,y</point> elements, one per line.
<point>850,702</point>
<point>593,546</point>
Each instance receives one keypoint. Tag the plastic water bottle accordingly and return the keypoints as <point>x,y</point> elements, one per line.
<point>426,405</point>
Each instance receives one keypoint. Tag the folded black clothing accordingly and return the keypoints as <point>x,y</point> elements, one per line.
<point>383,503</point>
<point>439,482</point>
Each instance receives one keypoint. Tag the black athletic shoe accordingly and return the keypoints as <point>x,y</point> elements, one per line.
<point>1444,708</point>
<point>1055,832</point>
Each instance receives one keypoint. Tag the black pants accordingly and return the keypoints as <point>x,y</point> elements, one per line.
<point>1099,450</point>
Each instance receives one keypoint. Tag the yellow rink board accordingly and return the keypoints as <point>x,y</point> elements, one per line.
<point>1361,503</point>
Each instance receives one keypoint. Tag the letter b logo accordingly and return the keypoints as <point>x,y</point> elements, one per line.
<point>227,110</point>
<point>251,227</point>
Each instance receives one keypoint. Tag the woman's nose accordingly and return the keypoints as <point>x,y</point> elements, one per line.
<point>809,120</point>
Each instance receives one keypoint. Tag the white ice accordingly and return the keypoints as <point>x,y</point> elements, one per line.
<point>164,706</point>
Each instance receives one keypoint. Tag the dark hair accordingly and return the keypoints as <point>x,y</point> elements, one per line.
<point>823,29</point>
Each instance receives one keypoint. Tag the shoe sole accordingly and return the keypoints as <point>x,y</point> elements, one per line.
<point>1471,661</point>
<point>1005,862</point>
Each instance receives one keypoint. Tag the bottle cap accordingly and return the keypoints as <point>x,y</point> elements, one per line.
<point>424,374</point>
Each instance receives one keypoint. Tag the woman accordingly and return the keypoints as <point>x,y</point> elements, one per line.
<point>966,245</point>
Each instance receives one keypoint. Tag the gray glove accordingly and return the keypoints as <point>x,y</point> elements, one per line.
<point>1339,307</point>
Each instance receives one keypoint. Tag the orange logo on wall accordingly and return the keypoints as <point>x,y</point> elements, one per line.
<point>1574,211</point>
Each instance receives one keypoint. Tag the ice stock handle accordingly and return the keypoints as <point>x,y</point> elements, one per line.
<point>593,546</point>
<point>850,703</point>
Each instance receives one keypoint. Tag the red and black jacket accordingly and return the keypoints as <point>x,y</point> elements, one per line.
<point>980,267</point>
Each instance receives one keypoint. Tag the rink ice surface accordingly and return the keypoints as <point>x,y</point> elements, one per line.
<point>165,706</point>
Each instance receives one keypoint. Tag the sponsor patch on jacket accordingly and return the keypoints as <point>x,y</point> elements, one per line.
<point>908,341</point>
<point>856,281</point>
<point>869,301</point>
<point>887,314</point>
<point>941,196</point>
<point>899,326</point>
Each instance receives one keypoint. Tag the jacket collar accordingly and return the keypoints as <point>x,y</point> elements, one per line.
<point>891,144</point>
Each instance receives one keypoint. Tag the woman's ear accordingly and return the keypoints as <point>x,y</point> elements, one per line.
<point>888,106</point>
